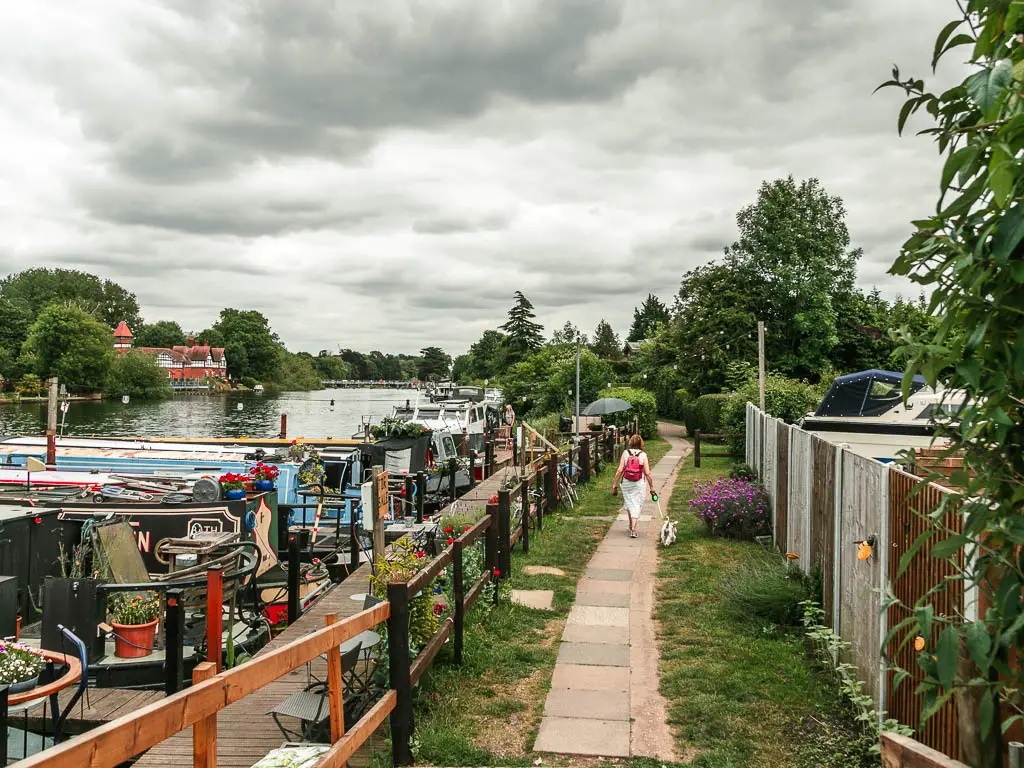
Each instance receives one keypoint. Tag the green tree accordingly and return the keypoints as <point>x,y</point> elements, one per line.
<point>524,335</point>
<point>137,374</point>
<point>71,344</point>
<point>647,317</point>
<point>486,358</point>
<point>568,334</point>
<point>435,364</point>
<point>251,347</point>
<point>606,341</point>
<point>295,372</point>
<point>330,367</point>
<point>162,333</point>
<point>970,252</point>
<point>15,320</point>
<point>545,382</point>
<point>105,300</point>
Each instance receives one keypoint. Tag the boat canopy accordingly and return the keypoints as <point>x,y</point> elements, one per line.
<point>868,393</point>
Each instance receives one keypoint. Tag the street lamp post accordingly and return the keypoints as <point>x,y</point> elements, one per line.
<point>577,430</point>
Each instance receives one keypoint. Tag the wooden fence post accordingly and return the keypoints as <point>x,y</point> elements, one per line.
<point>398,658</point>
<point>409,496</point>
<point>472,469</point>
<point>458,589</point>
<point>174,625</point>
<point>525,522</point>
<point>504,533</point>
<point>335,692</point>
<point>696,448</point>
<point>551,484</point>
<point>585,460</point>
<point>539,478</point>
<point>293,577</point>
<point>421,494</point>
<point>214,614</point>
<point>491,540</point>
<point>204,733</point>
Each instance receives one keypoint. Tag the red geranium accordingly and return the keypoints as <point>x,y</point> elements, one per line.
<point>232,481</point>
<point>497,572</point>
<point>493,499</point>
<point>449,529</point>
<point>450,539</point>
<point>263,471</point>
<point>420,554</point>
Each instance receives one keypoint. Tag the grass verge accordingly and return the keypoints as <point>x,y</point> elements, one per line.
<point>740,693</point>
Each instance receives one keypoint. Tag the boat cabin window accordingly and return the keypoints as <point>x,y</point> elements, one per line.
<point>449,446</point>
<point>934,411</point>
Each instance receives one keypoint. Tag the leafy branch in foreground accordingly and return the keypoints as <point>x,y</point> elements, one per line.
<point>969,253</point>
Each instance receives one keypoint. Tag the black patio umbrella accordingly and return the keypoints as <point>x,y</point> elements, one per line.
<point>605,406</point>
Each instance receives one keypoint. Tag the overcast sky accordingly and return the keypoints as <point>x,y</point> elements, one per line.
<point>384,173</point>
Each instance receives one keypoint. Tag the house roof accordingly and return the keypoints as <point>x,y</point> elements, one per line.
<point>122,331</point>
<point>633,346</point>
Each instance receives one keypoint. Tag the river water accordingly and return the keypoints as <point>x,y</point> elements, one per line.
<point>310,414</point>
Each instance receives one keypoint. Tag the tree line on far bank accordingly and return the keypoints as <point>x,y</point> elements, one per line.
<point>59,322</point>
<point>792,267</point>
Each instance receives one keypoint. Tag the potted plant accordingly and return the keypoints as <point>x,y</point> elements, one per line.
<point>19,666</point>
<point>263,476</point>
<point>134,619</point>
<point>233,486</point>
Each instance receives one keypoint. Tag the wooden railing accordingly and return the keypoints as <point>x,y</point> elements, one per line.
<point>120,740</point>
<point>903,752</point>
<point>698,436</point>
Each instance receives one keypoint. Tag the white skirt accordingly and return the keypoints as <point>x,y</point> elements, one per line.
<point>634,492</point>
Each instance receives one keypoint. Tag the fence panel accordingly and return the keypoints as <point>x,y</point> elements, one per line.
<point>823,519</point>
<point>799,507</point>
<point>781,484</point>
<point>864,484</point>
<point>768,455</point>
<point>907,507</point>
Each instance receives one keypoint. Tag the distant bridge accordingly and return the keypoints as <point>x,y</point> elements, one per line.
<point>367,384</point>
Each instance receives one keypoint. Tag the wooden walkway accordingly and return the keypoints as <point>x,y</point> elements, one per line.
<point>97,706</point>
<point>245,733</point>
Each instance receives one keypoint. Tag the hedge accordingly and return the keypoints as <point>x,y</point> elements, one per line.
<point>645,408</point>
<point>705,414</point>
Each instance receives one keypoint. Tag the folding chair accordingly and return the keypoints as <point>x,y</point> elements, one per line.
<point>310,706</point>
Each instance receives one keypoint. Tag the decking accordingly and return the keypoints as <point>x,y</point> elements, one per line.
<point>98,706</point>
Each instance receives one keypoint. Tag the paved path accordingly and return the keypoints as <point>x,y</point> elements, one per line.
<point>604,696</point>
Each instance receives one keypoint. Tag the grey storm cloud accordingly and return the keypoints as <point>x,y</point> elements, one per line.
<point>385,174</point>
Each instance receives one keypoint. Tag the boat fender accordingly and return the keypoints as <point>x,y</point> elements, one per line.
<point>98,498</point>
<point>250,520</point>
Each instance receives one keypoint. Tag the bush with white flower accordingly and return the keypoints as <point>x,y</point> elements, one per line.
<point>18,663</point>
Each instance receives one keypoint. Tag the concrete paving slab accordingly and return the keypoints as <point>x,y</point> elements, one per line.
<point>625,561</point>
<point>588,586</point>
<point>594,654</point>
<point>580,633</point>
<point>588,677</point>
<point>542,570</point>
<point>603,600</point>
<point>588,705</point>
<point>540,599</point>
<point>577,736</point>
<point>644,518</point>
<point>598,616</point>
<point>608,574</point>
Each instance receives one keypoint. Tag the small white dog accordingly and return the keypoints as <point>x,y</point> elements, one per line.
<point>668,533</point>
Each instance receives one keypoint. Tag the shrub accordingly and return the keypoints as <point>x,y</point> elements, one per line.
<point>740,471</point>
<point>767,589</point>
<point>735,509</point>
<point>786,399</point>
<point>706,414</point>
<point>645,409</point>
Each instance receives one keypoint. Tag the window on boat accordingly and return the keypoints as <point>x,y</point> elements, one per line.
<point>449,446</point>
<point>934,411</point>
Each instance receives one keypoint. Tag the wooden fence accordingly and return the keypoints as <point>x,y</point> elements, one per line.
<point>826,501</point>
<point>121,740</point>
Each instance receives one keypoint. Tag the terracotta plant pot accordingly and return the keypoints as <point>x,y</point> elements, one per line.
<point>138,635</point>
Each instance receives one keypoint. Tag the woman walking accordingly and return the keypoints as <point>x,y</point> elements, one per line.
<point>634,469</point>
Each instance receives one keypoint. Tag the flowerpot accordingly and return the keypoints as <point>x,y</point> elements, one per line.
<point>133,641</point>
<point>24,685</point>
<point>234,494</point>
<point>263,485</point>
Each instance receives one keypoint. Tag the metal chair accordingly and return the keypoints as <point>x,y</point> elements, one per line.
<point>61,715</point>
<point>310,706</point>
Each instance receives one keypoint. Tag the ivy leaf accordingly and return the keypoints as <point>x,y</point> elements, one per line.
<point>949,547</point>
<point>946,653</point>
<point>987,86</point>
<point>979,644</point>
<point>1008,234</point>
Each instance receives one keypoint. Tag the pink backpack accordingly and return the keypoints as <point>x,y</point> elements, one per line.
<point>633,470</point>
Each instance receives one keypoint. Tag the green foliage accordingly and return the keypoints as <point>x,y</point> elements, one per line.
<point>434,365</point>
<point>34,289</point>
<point>645,409</point>
<point>969,254</point>
<point>69,343</point>
<point>653,367</point>
<point>30,385</point>
<point>524,335</point>
<point>163,333</point>
<point>568,334</point>
<point>389,427</point>
<point>405,560</point>
<point>137,374</point>
<point>376,365</point>
<point>251,347</point>
<point>606,342</point>
<point>706,414</point>
<point>133,609</point>
<point>295,372</point>
<point>647,318</point>
<point>784,398</point>
<point>542,383</point>
<point>765,588</point>
<point>741,471</point>
<point>330,367</point>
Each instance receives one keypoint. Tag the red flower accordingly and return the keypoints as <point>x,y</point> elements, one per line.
<point>449,529</point>
<point>421,553</point>
<point>450,539</point>
<point>439,608</point>
<point>497,572</point>
<point>493,499</point>
<point>468,527</point>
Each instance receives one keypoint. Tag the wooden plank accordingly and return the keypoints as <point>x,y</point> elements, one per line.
<point>335,691</point>
<point>782,486</point>
<point>426,656</point>
<point>903,752</point>
<point>823,519</point>
<point>204,732</point>
<point>342,750</point>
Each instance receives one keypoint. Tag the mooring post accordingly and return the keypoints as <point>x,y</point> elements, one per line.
<point>525,522</point>
<point>409,496</point>
<point>465,442</point>
<point>696,448</point>
<point>51,423</point>
<point>488,458</point>
<point>421,494</point>
<point>214,613</point>
<point>398,656</point>
<point>491,539</point>
<point>293,577</point>
<point>1016,754</point>
<point>453,466</point>
<point>515,446</point>
<point>460,598</point>
<point>472,469</point>
<point>504,533</point>
<point>284,426</point>
<point>174,645</point>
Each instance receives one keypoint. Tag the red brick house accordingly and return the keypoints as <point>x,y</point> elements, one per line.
<point>182,363</point>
